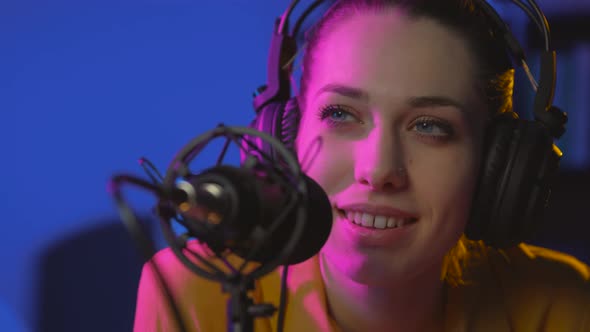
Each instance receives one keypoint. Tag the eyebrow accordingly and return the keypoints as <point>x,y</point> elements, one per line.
<point>343,90</point>
<point>435,101</point>
<point>414,102</point>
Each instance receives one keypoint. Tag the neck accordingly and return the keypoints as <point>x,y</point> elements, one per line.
<point>415,304</point>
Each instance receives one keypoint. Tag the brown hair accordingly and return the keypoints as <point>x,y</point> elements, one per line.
<point>495,76</point>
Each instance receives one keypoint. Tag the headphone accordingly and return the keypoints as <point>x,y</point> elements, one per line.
<point>520,158</point>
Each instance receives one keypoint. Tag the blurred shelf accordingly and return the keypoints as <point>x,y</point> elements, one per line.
<point>565,7</point>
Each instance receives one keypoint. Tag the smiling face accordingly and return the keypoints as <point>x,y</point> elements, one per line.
<point>393,103</point>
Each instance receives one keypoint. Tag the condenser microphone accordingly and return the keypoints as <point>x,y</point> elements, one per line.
<point>251,212</point>
<point>266,211</point>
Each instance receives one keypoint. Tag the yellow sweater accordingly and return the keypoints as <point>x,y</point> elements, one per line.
<point>526,288</point>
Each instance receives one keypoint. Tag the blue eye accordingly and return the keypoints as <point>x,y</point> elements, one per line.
<point>433,127</point>
<point>335,115</point>
<point>338,115</point>
<point>426,127</point>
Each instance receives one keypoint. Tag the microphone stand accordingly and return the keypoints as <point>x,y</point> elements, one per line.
<point>241,309</point>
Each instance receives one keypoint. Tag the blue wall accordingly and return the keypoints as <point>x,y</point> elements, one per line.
<point>86,88</point>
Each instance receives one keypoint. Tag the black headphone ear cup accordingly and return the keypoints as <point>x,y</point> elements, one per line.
<point>496,145</point>
<point>278,119</point>
<point>518,167</point>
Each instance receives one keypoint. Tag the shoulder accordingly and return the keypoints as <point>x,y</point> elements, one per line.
<point>202,271</point>
<point>551,285</point>
<point>167,263</point>
<point>166,283</point>
<point>545,265</point>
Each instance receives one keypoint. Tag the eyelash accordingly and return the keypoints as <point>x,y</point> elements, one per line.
<point>443,126</point>
<point>327,111</point>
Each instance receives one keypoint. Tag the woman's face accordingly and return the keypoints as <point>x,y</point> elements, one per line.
<point>392,129</point>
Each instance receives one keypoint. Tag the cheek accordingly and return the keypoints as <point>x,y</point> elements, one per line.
<point>320,158</point>
<point>444,182</point>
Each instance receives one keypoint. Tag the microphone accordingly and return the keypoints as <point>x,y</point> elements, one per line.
<point>252,212</point>
<point>267,211</point>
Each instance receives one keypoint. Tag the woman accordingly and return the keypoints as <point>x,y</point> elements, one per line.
<point>400,93</point>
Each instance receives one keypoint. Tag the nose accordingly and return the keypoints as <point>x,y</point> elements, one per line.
<point>379,162</point>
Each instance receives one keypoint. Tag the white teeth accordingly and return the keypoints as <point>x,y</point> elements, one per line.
<point>358,217</point>
<point>371,221</point>
<point>350,216</point>
<point>368,220</point>
<point>380,222</point>
<point>391,222</point>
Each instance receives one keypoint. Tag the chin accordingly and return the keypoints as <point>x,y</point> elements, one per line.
<point>370,267</point>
